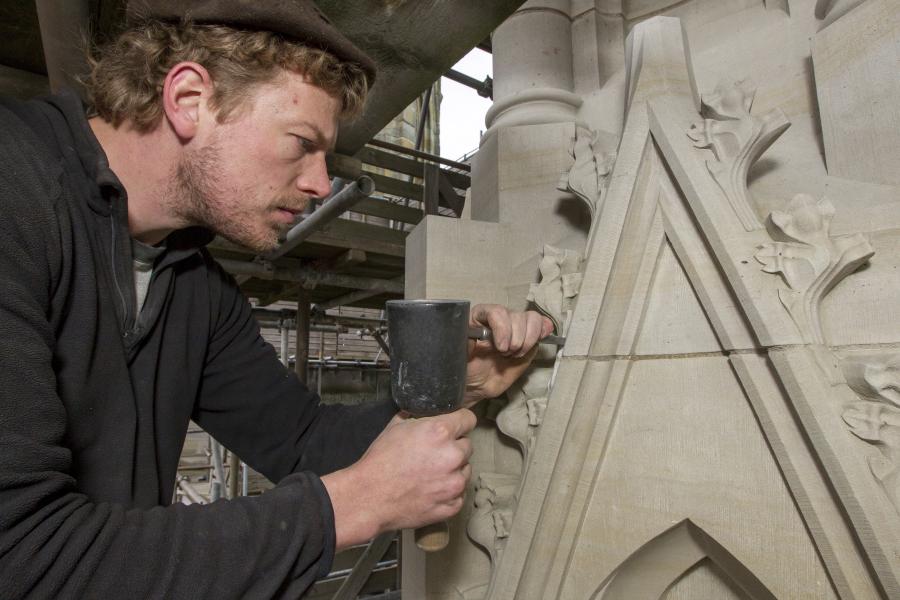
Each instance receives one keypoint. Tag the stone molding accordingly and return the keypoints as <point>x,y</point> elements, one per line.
<point>533,107</point>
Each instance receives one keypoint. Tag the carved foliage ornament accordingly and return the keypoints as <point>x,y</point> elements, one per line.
<point>560,281</point>
<point>811,261</point>
<point>737,139</point>
<point>495,493</point>
<point>875,418</point>
<point>525,411</point>
<point>495,503</point>
<point>589,175</point>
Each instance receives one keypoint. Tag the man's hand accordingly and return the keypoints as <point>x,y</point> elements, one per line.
<point>494,366</point>
<point>414,473</point>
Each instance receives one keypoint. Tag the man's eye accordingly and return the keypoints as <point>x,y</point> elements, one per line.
<point>305,145</point>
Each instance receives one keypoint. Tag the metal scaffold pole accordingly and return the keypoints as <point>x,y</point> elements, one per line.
<point>302,322</point>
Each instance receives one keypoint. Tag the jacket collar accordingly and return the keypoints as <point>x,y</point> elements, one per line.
<point>183,243</point>
<point>113,195</point>
<point>82,142</point>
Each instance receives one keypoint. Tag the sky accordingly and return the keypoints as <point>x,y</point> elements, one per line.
<point>462,109</point>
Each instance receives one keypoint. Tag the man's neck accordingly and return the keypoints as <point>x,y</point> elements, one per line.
<point>144,163</point>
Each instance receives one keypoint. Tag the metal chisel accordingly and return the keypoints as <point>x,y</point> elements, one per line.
<point>484,334</point>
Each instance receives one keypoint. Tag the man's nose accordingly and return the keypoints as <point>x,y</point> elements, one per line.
<point>313,180</point>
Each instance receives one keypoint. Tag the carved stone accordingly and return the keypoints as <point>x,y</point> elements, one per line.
<point>525,411</point>
<point>811,261</point>
<point>560,280</point>
<point>875,377</point>
<point>879,424</point>
<point>875,418</point>
<point>589,174</point>
<point>722,421</point>
<point>494,507</point>
<point>688,545</point>
<point>737,139</point>
<point>832,10</point>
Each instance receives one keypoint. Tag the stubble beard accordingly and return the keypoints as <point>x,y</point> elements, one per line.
<point>198,199</point>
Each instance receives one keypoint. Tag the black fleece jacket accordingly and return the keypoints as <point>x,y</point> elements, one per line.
<point>95,400</point>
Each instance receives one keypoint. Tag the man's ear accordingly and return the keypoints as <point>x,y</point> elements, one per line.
<point>186,90</point>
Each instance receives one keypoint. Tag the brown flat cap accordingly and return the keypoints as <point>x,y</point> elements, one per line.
<point>299,20</point>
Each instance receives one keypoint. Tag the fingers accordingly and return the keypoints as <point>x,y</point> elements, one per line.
<point>416,472</point>
<point>458,423</point>
<point>451,490</point>
<point>514,333</point>
<point>465,447</point>
<point>459,451</point>
<point>449,509</point>
<point>534,331</point>
<point>497,318</point>
<point>456,491</point>
<point>536,327</point>
<point>546,326</point>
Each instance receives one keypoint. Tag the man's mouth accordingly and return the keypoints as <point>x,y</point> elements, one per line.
<point>288,213</point>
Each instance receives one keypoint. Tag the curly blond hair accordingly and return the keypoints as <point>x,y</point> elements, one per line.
<point>126,75</point>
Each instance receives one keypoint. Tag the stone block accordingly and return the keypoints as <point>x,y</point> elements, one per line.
<point>445,258</point>
<point>856,61</point>
<point>515,179</point>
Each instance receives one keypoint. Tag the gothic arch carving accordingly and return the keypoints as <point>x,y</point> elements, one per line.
<point>661,562</point>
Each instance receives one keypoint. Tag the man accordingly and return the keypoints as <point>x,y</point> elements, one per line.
<point>217,124</point>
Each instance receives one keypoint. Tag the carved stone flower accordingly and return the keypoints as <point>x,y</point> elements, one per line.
<point>874,377</point>
<point>866,419</point>
<point>879,424</point>
<point>805,219</point>
<point>811,261</point>
<point>730,100</point>
<point>594,160</point>
<point>875,417</point>
<point>806,223</point>
<point>737,139</point>
<point>885,380</point>
<point>560,281</point>
<point>727,125</point>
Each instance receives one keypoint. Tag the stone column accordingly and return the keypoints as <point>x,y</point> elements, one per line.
<point>533,81</point>
<point>526,149</point>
